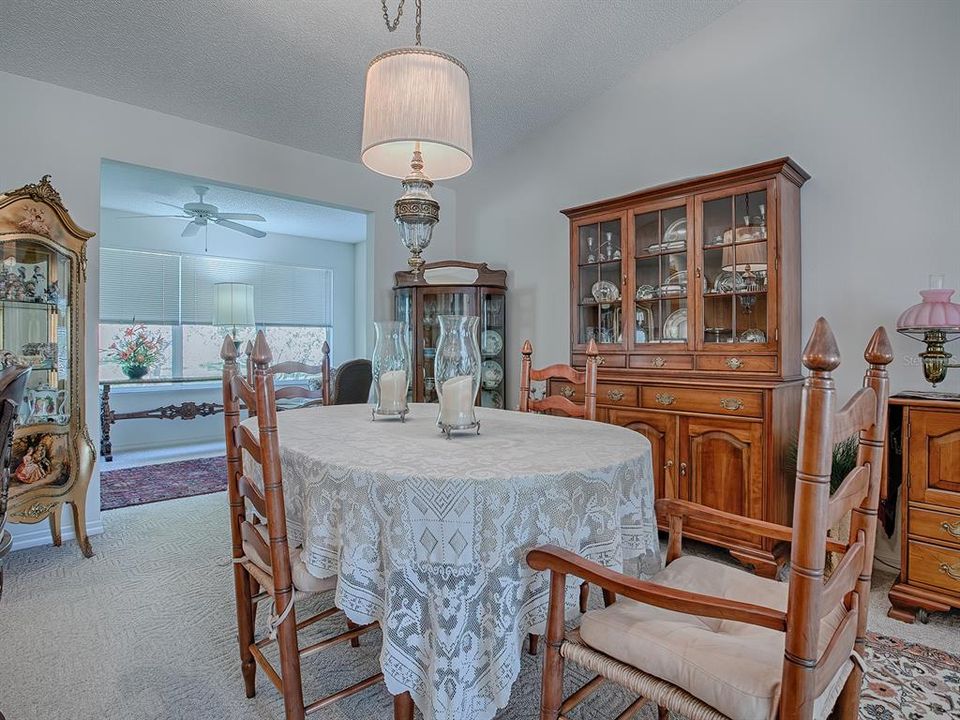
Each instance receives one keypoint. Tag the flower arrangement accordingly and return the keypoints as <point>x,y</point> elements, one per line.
<point>136,350</point>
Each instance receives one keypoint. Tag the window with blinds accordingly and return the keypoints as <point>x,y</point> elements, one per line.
<point>177,289</point>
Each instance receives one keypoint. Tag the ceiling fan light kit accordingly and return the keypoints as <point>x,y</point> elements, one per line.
<point>416,115</point>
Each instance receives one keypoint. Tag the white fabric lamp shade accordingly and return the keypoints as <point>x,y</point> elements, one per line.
<point>753,256</point>
<point>233,304</point>
<point>417,99</point>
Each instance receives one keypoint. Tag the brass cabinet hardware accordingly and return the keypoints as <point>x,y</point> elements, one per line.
<point>734,363</point>
<point>731,403</point>
<point>615,395</point>
<point>953,529</point>
<point>951,572</point>
<point>600,360</point>
<point>659,361</point>
<point>567,391</point>
<point>665,399</point>
<point>683,469</point>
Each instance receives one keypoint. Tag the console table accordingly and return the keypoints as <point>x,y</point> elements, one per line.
<point>188,410</point>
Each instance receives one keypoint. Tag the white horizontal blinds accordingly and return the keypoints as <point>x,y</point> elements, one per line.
<point>282,294</point>
<point>138,285</point>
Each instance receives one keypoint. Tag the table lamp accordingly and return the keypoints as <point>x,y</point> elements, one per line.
<point>934,322</point>
<point>233,307</point>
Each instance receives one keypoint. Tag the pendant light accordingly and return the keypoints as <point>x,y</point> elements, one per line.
<point>416,126</point>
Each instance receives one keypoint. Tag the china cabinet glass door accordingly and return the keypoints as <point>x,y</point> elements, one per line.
<point>737,260</point>
<point>492,347</point>
<point>434,304</point>
<point>660,298</point>
<point>600,273</point>
<point>35,327</point>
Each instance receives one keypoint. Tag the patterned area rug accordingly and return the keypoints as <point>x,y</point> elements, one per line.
<point>910,681</point>
<point>153,483</point>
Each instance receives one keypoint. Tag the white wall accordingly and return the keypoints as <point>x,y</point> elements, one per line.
<point>67,134</point>
<point>865,96</point>
<point>164,234</point>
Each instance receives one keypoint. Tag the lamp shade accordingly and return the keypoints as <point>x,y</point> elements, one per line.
<point>233,304</point>
<point>936,312</point>
<point>417,99</point>
<point>738,257</point>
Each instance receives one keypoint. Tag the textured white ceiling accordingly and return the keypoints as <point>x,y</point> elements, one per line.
<point>137,190</point>
<point>292,71</point>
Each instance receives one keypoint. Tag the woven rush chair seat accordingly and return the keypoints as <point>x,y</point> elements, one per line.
<point>259,556</point>
<point>734,667</point>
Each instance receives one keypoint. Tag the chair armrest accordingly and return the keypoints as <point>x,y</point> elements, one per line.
<point>555,559</point>
<point>671,507</point>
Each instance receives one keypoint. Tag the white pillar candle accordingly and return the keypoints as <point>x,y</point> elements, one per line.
<point>456,401</point>
<point>393,391</point>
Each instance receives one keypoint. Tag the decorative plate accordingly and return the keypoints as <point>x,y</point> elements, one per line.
<point>604,291</point>
<point>491,342</point>
<point>491,399</point>
<point>676,232</point>
<point>729,281</point>
<point>646,292</point>
<point>753,335</point>
<point>665,246</point>
<point>675,326</point>
<point>492,374</point>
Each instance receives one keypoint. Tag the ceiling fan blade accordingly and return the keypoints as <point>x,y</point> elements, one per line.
<point>178,207</point>
<point>131,217</point>
<point>241,228</point>
<point>190,230</point>
<point>253,217</point>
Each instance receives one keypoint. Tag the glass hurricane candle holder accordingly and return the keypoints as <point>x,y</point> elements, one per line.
<point>457,373</point>
<point>391,370</point>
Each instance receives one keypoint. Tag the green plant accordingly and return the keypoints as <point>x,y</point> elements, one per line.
<point>844,460</point>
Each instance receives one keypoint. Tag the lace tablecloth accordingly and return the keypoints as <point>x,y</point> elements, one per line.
<point>428,536</point>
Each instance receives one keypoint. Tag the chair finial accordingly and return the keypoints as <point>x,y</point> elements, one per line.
<point>248,349</point>
<point>261,354</point>
<point>527,348</point>
<point>879,351</point>
<point>592,348</point>
<point>325,348</point>
<point>821,352</point>
<point>228,350</point>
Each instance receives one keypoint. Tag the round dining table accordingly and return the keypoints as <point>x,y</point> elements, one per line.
<point>428,536</point>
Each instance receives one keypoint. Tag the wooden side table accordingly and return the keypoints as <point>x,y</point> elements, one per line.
<point>929,504</point>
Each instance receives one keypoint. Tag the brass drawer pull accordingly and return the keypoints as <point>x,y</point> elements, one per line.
<point>734,363</point>
<point>731,403</point>
<point>567,391</point>
<point>600,360</point>
<point>951,572</point>
<point>665,399</point>
<point>659,362</point>
<point>952,529</point>
<point>615,395</point>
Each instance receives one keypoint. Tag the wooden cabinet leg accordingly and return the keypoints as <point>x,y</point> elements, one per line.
<point>909,604</point>
<point>403,707</point>
<point>80,528</point>
<point>56,516</point>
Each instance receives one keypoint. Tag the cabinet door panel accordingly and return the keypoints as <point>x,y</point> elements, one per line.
<point>934,457</point>
<point>721,466</point>
<point>661,430</point>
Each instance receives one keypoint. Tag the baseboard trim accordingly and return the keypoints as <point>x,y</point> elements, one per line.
<point>40,534</point>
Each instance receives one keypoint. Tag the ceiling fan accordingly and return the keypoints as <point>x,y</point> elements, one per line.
<point>201,213</point>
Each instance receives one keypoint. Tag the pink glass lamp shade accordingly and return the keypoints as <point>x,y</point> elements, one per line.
<point>935,321</point>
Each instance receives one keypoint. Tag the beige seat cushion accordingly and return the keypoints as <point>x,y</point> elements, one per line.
<point>302,579</point>
<point>731,666</point>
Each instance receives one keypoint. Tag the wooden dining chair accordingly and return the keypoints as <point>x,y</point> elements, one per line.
<point>564,405</point>
<point>710,641</point>
<point>264,564</point>
<point>317,393</point>
<point>351,383</point>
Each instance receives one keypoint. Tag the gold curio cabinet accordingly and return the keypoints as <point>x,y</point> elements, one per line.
<point>42,286</point>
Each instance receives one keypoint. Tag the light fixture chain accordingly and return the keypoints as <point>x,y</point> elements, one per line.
<point>395,23</point>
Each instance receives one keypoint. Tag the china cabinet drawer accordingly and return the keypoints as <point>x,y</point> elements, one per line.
<point>662,362</point>
<point>607,393</point>
<point>717,402</point>
<point>605,361</point>
<point>740,363</point>
<point>934,566</point>
<point>940,526</point>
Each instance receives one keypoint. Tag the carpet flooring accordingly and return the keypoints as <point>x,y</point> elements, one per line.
<point>153,483</point>
<point>145,630</point>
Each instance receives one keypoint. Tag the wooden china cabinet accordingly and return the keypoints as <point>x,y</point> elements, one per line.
<point>454,287</point>
<point>692,291</point>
